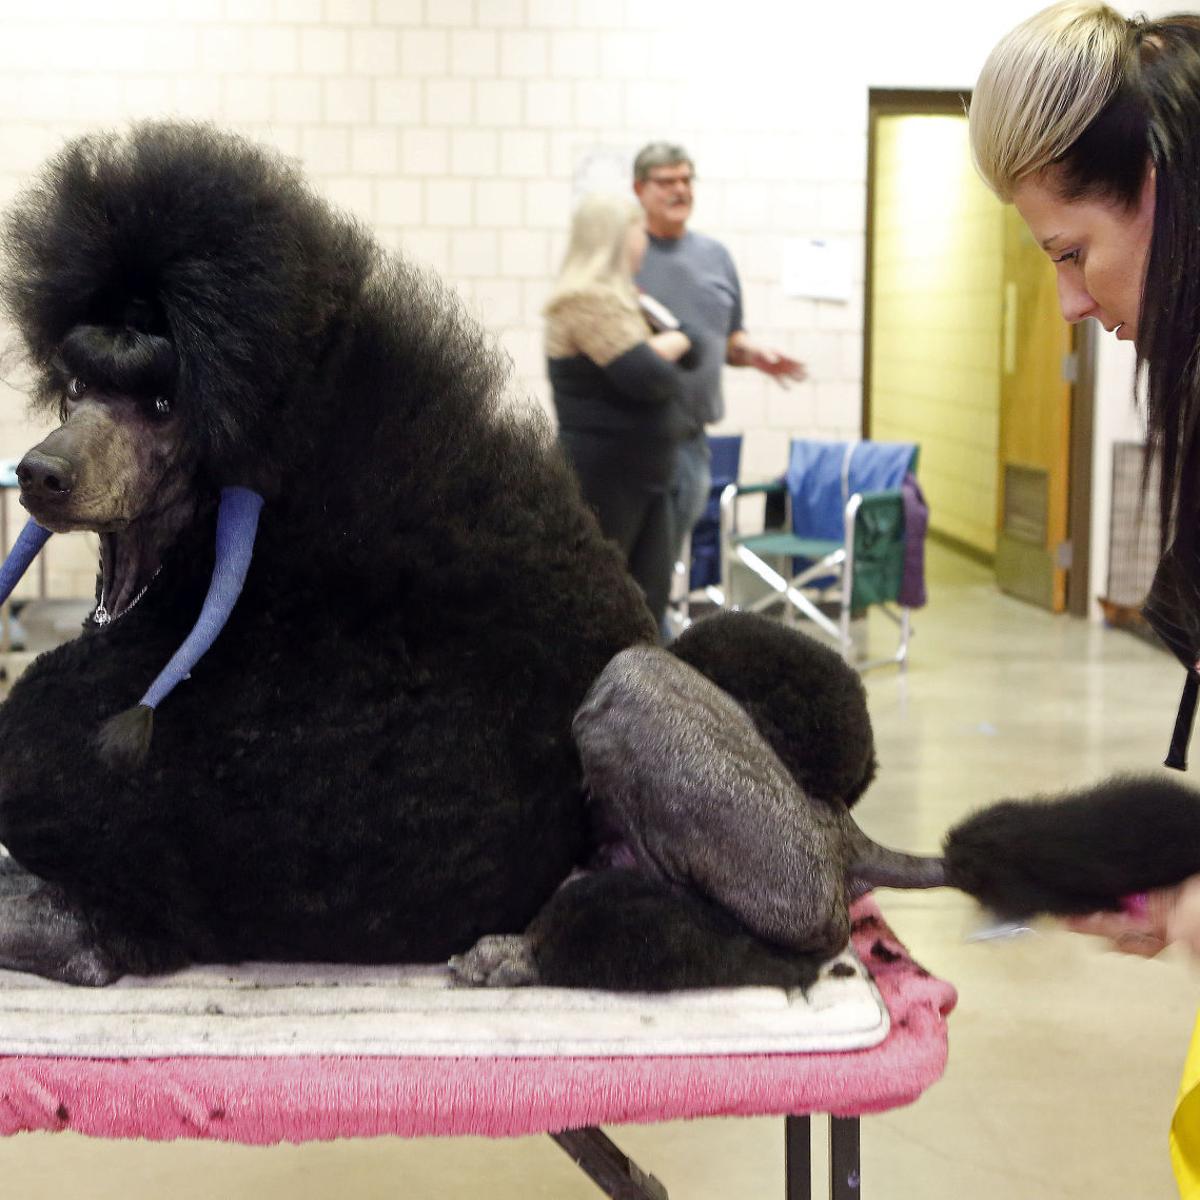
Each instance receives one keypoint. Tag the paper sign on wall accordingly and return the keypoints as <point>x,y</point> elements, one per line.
<point>816,269</point>
<point>601,168</point>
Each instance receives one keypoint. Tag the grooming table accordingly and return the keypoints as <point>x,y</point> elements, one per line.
<point>360,1055</point>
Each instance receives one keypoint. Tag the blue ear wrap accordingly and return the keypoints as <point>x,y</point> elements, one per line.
<point>124,740</point>
<point>25,549</point>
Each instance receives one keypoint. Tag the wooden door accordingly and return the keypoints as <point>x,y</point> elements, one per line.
<point>1033,553</point>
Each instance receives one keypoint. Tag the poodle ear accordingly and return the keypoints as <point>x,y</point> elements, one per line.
<point>124,740</point>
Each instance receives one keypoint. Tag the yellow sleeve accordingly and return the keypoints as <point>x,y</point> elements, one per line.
<point>1185,1125</point>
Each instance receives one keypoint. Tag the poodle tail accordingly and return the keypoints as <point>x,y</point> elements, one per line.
<point>1080,852</point>
<point>873,865</point>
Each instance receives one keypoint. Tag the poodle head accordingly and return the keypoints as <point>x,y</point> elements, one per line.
<point>171,285</point>
<point>119,452</point>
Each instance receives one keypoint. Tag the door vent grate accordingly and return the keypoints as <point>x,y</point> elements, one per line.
<point>1026,504</point>
<point>1133,526</point>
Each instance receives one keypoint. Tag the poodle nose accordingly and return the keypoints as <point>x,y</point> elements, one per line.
<point>45,476</point>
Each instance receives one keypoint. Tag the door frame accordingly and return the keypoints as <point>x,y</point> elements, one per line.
<point>948,102</point>
<point>1081,462</point>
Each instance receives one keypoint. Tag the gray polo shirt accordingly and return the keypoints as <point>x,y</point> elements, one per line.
<point>695,278</point>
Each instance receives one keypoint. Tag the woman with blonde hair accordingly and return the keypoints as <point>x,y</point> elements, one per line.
<point>1089,123</point>
<point>616,388</point>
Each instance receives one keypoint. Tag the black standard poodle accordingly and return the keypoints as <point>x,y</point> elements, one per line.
<point>349,605</point>
<point>373,760</point>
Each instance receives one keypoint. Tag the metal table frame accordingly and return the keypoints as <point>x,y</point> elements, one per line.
<point>620,1178</point>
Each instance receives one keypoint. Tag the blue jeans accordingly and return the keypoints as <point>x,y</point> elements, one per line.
<point>690,487</point>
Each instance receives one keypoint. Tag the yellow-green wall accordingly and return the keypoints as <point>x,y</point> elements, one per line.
<point>936,312</point>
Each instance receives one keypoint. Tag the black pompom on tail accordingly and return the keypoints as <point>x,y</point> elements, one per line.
<point>124,740</point>
<point>1080,852</point>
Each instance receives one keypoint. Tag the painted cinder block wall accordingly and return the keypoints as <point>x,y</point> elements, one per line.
<point>461,129</point>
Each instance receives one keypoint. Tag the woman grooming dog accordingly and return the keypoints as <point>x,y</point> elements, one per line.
<point>1089,124</point>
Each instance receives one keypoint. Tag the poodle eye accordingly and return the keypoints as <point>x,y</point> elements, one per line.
<point>76,388</point>
<point>162,405</point>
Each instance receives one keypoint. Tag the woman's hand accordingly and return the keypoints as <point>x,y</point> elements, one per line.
<point>1183,922</point>
<point>1169,915</point>
<point>671,344</point>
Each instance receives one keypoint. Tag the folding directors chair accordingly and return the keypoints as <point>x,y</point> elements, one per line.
<point>853,525</point>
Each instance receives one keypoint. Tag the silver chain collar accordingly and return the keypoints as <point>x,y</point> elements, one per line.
<point>102,616</point>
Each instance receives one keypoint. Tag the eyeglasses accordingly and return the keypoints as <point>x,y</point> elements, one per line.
<point>666,181</point>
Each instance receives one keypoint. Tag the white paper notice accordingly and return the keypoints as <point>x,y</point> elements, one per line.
<point>816,269</point>
<point>601,168</point>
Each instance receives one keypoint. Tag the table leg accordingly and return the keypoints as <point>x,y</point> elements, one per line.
<point>797,1157</point>
<point>612,1171</point>
<point>844,1169</point>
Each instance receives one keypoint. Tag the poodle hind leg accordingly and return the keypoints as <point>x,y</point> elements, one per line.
<point>625,931</point>
<point>679,774</point>
<point>41,933</point>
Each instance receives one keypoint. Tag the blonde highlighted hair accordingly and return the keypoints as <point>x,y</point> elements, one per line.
<point>1103,100</point>
<point>1042,86</point>
<point>596,257</point>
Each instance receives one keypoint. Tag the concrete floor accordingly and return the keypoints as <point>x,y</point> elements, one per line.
<point>1064,1058</point>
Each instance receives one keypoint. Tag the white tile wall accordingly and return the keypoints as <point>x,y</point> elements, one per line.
<point>456,128</point>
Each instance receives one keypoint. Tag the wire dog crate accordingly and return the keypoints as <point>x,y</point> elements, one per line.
<point>1132,540</point>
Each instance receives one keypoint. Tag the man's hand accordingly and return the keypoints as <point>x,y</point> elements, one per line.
<point>781,367</point>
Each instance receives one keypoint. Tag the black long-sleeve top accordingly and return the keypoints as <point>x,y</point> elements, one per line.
<point>604,374</point>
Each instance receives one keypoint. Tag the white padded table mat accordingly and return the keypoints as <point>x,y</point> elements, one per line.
<point>271,1009</point>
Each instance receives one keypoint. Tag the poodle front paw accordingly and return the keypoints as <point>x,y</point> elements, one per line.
<point>498,960</point>
<point>88,968</point>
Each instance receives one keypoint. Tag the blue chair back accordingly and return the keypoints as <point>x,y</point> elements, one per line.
<point>815,480</point>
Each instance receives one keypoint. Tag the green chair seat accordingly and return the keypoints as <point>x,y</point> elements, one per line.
<point>828,484</point>
<point>788,545</point>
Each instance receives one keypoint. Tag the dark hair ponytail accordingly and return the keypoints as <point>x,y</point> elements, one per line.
<point>1168,342</point>
<point>1153,117</point>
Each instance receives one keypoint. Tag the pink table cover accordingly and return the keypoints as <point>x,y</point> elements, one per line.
<point>260,1101</point>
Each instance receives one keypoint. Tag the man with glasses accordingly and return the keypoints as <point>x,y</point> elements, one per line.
<point>695,277</point>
